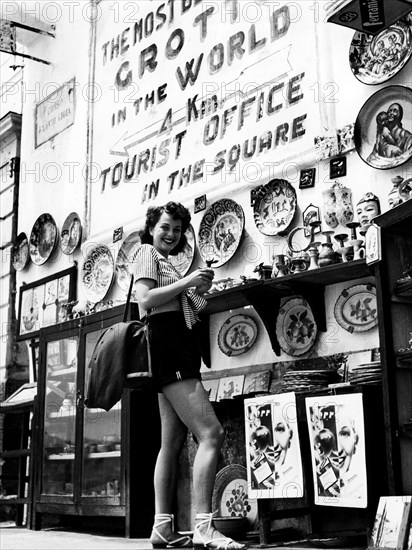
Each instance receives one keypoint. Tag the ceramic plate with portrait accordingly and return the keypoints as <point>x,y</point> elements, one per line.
<point>376,59</point>
<point>383,128</point>
<point>71,233</point>
<point>221,231</point>
<point>20,252</point>
<point>43,238</point>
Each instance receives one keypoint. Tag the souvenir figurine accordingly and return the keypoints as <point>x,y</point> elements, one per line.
<point>366,209</point>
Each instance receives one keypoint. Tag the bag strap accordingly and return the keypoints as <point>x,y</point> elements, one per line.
<point>129,294</point>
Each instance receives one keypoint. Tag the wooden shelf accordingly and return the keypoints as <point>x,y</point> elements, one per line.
<point>403,289</point>
<point>397,219</point>
<point>265,295</point>
<point>404,359</point>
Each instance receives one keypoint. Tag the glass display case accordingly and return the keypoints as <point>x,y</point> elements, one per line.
<point>85,455</point>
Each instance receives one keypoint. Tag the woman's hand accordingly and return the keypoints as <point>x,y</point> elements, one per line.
<point>201,279</point>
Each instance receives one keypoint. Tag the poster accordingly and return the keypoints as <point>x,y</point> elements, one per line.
<point>274,467</point>
<point>337,439</point>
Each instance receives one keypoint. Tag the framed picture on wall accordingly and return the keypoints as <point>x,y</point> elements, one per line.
<point>42,303</point>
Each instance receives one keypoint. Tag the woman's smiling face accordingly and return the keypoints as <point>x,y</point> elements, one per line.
<point>166,234</point>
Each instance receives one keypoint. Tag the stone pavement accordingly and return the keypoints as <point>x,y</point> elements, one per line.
<point>20,538</point>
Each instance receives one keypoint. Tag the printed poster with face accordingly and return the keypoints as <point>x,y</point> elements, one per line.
<point>337,439</point>
<point>274,466</point>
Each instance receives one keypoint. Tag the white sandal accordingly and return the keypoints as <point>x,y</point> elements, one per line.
<point>218,543</point>
<point>159,541</point>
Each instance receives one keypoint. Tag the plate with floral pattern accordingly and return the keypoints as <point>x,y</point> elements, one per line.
<point>97,273</point>
<point>221,231</point>
<point>376,59</point>
<point>274,206</point>
<point>296,328</point>
<point>355,308</point>
<point>230,496</point>
<point>237,335</point>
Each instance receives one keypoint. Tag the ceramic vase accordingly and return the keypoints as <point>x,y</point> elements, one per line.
<point>329,208</point>
<point>280,268</point>
<point>327,256</point>
<point>314,255</point>
<point>344,207</point>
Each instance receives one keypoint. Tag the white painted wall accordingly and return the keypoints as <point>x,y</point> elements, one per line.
<point>53,174</point>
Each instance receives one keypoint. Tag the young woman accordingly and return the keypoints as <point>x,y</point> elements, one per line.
<point>171,304</point>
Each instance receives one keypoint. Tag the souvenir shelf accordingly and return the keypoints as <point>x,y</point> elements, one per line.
<point>89,461</point>
<point>394,300</point>
<point>265,295</point>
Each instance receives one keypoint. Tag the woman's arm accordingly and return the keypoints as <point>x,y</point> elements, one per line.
<point>149,295</point>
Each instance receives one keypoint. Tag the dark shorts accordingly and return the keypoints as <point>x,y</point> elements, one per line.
<point>175,350</point>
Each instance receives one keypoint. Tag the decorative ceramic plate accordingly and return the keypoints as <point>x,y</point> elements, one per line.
<point>275,207</point>
<point>183,261</point>
<point>71,233</point>
<point>30,309</point>
<point>296,328</point>
<point>237,335</point>
<point>97,273</point>
<point>230,495</point>
<point>125,258</point>
<point>376,59</point>
<point>355,308</point>
<point>220,231</point>
<point>383,127</point>
<point>43,239</point>
<point>20,252</point>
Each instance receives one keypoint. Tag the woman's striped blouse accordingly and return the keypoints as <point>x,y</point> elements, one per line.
<point>150,264</point>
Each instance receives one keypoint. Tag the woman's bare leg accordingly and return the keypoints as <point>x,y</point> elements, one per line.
<point>191,403</point>
<point>173,437</point>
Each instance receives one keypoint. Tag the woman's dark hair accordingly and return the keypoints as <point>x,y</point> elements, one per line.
<point>153,214</point>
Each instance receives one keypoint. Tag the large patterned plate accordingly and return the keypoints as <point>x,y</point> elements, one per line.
<point>220,231</point>
<point>355,308</point>
<point>237,335</point>
<point>125,258</point>
<point>383,127</point>
<point>183,261</point>
<point>296,328</point>
<point>376,59</point>
<point>43,239</point>
<point>97,273</point>
<point>20,252</point>
<point>230,495</point>
<point>274,207</point>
